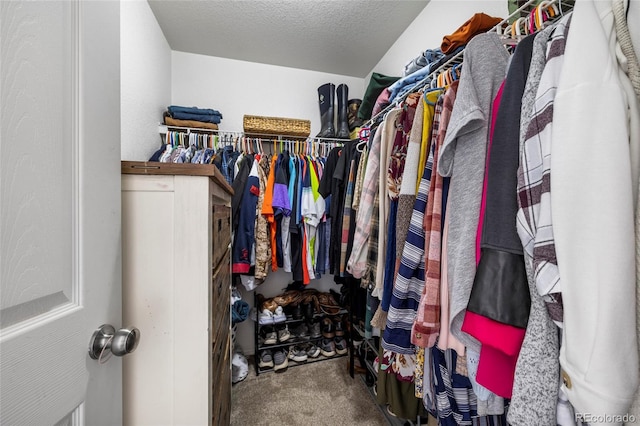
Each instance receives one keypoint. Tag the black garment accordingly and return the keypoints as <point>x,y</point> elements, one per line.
<point>327,187</point>
<point>341,176</point>
<point>295,229</point>
<point>296,238</point>
<point>238,187</point>
<point>500,288</point>
<point>279,253</point>
<point>352,218</point>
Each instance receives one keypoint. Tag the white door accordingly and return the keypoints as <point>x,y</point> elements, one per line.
<point>59,210</point>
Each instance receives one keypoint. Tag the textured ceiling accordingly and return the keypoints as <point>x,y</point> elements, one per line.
<point>346,37</point>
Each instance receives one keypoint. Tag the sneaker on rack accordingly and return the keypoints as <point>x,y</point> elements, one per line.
<point>327,347</point>
<point>339,326</point>
<point>279,315</point>
<point>313,351</point>
<point>341,345</point>
<point>301,331</point>
<point>265,317</point>
<point>328,329</point>
<point>266,360</point>
<point>270,336</point>
<point>280,359</point>
<point>314,329</point>
<point>297,354</point>
<point>284,334</point>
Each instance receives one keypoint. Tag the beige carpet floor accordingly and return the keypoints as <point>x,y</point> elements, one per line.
<point>321,393</point>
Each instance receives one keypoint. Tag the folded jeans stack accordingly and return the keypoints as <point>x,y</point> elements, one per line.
<point>192,117</point>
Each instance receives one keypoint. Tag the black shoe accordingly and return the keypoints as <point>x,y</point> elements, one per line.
<point>339,326</point>
<point>314,329</point>
<point>342,93</point>
<point>328,329</point>
<point>307,310</point>
<point>326,99</point>
<point>301,331</point>
<point>296,312</point>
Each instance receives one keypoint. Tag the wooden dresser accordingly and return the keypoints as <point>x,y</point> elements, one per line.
<point>176,282</point>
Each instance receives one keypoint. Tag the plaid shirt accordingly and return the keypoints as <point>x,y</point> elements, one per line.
<point>358,260</point>
<point>346,216</point>
<point>370,274</point>
<point>533,220</point>
<point>427,322</point>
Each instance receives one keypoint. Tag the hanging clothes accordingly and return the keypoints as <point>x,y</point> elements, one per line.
<point>462,158</point>
<point>330,189</point>
<point>356,265</point>
<point>262,228</point>
<point>592,257</point>
<point>535,387</point>
<point>244,237</point>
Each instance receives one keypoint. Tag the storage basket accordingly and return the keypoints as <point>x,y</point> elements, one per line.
<point>276,126</point>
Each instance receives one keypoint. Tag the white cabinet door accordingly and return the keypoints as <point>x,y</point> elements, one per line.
<point>60,265</point>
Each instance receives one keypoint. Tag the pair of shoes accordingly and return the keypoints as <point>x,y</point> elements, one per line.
<point>327,347</point>
<point>268,317</point>
<point>312,351</point>
<point>339,324</point>
<point>326,99</point>
<point>266,360</point>
<point>314,329</point>
<point>265,317</point>
<point>280,360</point>
<point>341,345</point>
<point>284,334</point>
<point>269,335</point>
<point>278,315</point>
<point>301,331</point>
<point>294,311</point>
<point>328,329</point>
<point>296,353</point>
<point>272,336</point>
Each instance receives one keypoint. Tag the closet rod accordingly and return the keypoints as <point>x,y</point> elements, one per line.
<point>457,58</point>
<point>163,129</point>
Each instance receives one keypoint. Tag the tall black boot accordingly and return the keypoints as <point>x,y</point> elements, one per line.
<point>326,99</point>
<point>342,92</point>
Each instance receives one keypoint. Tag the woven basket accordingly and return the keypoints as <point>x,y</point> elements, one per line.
<point>276,125</point>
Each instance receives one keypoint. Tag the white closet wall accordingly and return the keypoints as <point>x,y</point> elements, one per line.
<point>145,79</point>
<point>236,88</point>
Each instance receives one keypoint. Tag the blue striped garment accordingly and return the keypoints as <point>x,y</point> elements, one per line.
<point>407,289</point>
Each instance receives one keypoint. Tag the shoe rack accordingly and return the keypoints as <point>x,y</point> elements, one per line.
<point>292,323</point>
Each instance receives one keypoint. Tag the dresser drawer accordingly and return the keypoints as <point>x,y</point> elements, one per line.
<point>221,232</point>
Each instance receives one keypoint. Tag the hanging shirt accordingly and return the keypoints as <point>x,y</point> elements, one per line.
<point>244,237</point>
<point>427,322</point>
<point>462,157</point>
<point>593,178</point>
<point>357,261</point>
<point>535,388</point>
<point>263,241</point>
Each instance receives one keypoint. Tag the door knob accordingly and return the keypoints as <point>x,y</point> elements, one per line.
<point>118,343</point>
